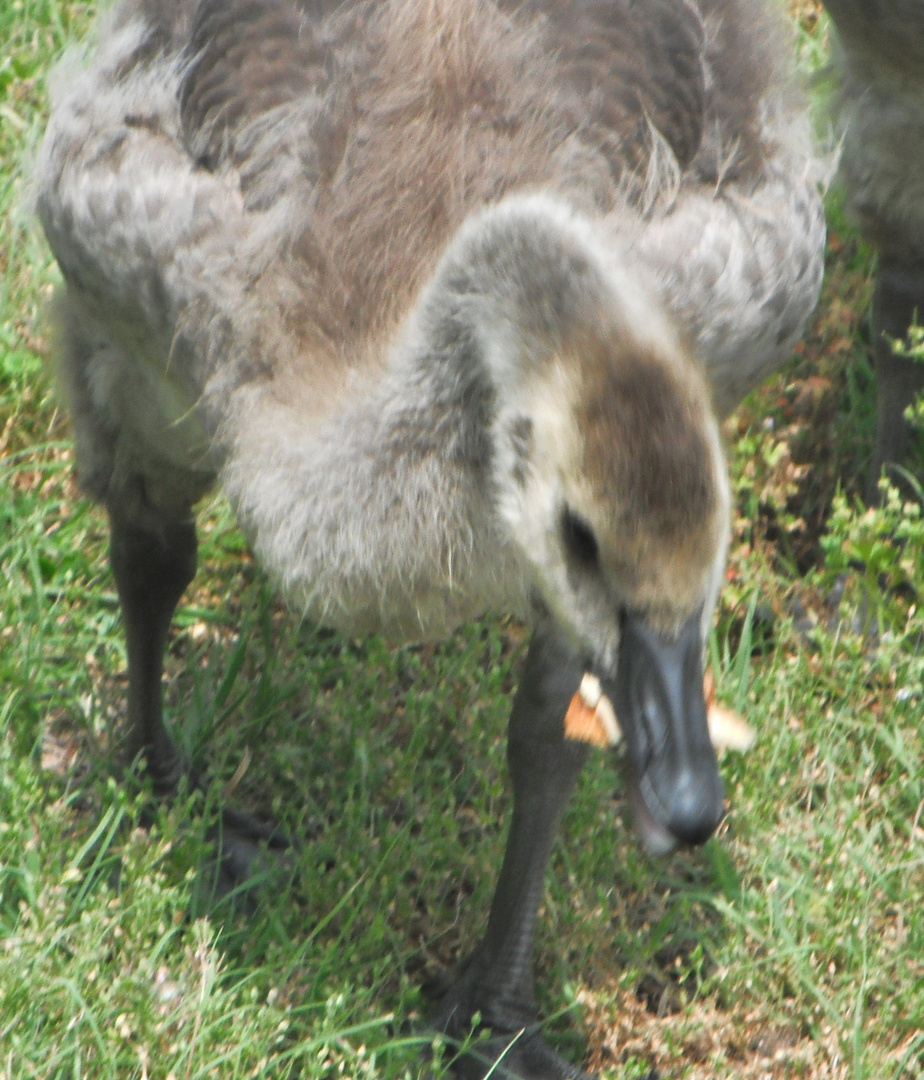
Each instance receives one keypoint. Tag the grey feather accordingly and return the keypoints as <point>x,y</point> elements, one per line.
<point>263,214</point>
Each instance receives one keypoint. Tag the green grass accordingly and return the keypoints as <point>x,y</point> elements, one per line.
<point>790,946</point>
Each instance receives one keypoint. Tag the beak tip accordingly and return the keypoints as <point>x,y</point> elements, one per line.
<point>696,810</point>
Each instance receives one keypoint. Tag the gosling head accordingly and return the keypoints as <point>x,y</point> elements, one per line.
<point>613,485</point>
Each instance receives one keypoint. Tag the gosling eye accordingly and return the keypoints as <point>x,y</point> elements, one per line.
<point>579,540</point>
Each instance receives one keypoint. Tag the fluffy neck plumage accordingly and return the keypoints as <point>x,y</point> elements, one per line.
<point>386,516</point>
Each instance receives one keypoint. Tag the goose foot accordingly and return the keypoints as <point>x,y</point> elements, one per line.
<point>505,1047</point>
<point>860,623</point>
<point>245,853</point>
<point>862,620</point>
<point>499,1031</point>
<point>515,1055</point>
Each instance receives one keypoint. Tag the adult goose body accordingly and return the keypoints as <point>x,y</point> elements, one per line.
<point>450,297</point>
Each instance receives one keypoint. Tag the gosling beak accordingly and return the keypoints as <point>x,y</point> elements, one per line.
<point>674,779</point>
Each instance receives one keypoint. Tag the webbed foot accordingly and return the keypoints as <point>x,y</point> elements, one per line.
<point>494,1037</point>
<point>507,1053</point>
<point>245,852</point>
<point>515,1055</point>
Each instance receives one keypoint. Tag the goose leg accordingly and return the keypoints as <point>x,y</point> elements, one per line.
<point>497,981</point>
<point>152,570</point>
<point>898,300</point>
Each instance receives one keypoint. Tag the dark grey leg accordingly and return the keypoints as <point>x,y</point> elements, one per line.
<point>497,981</point>
<point>151,572</point>
<point>898,299</point>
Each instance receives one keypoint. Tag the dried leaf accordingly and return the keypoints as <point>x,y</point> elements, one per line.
<point>590,717</point>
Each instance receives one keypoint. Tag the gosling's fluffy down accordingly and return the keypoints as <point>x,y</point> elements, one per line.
<point>878,53</point>
<point>879,57</point>
<point>309,250</point>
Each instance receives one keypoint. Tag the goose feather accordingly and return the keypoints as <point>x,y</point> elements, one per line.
<point>254,235</point>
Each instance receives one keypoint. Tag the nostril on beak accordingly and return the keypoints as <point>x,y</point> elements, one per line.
<point>696,807</point>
